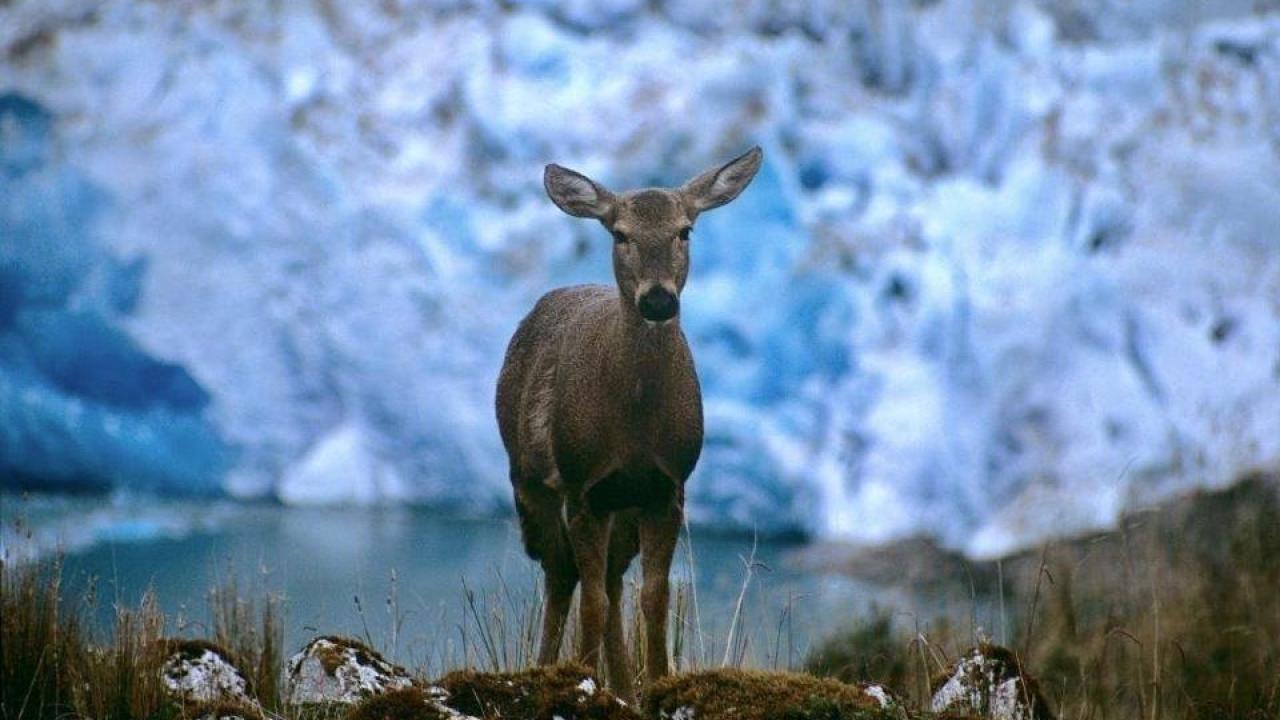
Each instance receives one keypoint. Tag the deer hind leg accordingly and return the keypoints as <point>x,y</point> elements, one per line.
<point>659,530</point>
<point>623,546</point>
<point>546,540</point>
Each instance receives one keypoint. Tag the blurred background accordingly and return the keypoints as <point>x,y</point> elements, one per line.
<point>1010,269</point>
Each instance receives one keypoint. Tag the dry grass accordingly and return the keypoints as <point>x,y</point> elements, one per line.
<point>42,641</point>
<point>252,633</point>
<point>1175,615</point>
<point>53,665</point>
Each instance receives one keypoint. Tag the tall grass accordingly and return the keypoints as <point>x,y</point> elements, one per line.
<point>52,665</point>
<point>42,643</point>
<point>55,665</point>
<point>1175,615</point>
<point>252,632</point>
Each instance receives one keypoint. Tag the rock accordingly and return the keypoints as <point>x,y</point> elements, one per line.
<point>333,669</point>
<point>567,691</point>
<point>198,671</point>
<point>758,695</point>
<point>989,680</point>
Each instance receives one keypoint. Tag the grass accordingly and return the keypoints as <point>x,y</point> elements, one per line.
<point>1175,615</point>
<point>542,692</point>
<point>54,664</point>
<point>758,695</point>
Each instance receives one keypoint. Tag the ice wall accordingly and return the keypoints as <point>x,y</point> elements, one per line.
<point>1009,268</point>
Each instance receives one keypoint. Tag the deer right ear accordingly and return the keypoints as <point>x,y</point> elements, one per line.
<point>576,193</point>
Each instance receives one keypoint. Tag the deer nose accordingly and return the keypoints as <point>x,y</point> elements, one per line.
<point>658,304</point>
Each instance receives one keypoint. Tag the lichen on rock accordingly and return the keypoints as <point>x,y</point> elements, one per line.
<point>989,680</point>
<point>333,669</point>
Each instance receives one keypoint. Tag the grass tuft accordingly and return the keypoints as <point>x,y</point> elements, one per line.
<point>406,704</point>
<point>534,694</point>
<point>759,695</point>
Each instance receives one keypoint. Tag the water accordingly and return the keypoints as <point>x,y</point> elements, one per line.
<point>397,576</point>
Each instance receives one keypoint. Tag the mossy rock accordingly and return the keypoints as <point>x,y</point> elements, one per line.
<point>406,704</point>
<point>201,672</point>
<point>759,695</point>
<point>336,669</point>
<point>568,690</point>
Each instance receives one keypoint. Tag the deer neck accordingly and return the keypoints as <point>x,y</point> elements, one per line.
<point>649,353</point>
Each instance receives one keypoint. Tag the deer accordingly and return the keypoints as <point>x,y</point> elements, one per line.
<point>600,412</point>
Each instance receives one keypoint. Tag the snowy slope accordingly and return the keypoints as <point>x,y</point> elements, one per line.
<point>1009,268</point>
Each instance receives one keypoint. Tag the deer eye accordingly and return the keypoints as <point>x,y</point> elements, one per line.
<point>619,237</point>
<point>684,234</point>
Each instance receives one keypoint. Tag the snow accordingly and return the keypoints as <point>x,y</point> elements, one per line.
<point>1002,276</point>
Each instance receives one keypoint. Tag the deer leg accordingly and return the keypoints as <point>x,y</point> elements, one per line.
<point>623,545</point>
<point>659,531</point>
<point>589,536</point>
<point>560,577</point>
<point>547,542</point>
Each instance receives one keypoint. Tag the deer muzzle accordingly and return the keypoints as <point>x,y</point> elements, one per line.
<point>658,304</point>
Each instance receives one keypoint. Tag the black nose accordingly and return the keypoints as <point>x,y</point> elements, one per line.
<point>659,304</point>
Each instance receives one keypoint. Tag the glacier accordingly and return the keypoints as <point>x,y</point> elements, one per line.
<point>1008,270</point>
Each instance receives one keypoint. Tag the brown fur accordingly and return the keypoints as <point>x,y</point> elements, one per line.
<point>601,416</point>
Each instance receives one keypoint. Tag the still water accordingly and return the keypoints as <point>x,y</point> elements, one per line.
<point>400,577</point>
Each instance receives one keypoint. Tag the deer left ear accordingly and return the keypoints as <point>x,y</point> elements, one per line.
<point>714,188</point>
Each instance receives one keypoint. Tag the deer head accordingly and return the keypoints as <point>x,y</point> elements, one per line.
<point>651,227</point>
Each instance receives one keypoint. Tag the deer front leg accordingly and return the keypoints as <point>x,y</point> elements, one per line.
<point>623,545</point>
<point>659,531</point>
<point>589,536</point>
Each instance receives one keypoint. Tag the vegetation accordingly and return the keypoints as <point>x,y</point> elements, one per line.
<point>1175,615</point>
<point>54,665</point>
<point>540,692</point>
<point>757,695</point>
<point>406,704</point>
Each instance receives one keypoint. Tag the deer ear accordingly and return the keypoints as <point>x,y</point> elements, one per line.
<point>576,193</point>
<point>714,188</point>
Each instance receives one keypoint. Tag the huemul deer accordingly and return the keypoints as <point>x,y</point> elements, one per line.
<point>601,414</point>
